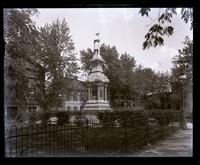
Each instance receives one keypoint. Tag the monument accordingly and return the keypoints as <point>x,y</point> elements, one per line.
<point>97,83</point>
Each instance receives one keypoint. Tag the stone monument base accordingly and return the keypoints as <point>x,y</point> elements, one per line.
<point>92,107</point>
<point>96,105</point>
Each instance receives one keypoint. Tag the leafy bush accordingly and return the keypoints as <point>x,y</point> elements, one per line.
<point>129,117</point>
<point>63,117</point>
<point>132,118</point>
<point>33,117</point>
<point>79,119</point>
<point>140,117</point>
<point>164,117</point>
<point>106,117</point>
<point>44,117</point>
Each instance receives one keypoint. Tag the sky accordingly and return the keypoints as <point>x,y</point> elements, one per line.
<point>123,28</point>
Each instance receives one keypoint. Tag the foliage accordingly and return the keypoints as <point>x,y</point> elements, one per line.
<point>183,61</point>
<point>63,117</point>
<point>44,117</point>
<point>50,48</point>
<point>106,118</point>
<point>164,117</point>
<point>132,118</point>
<point>128,118</point>
<point>20,36</point>
<point>33,117</point>
<point>145,11</point>
<point>79,119</point>
<point>57,57</point>
<point>162,28</point>
<point>182,66</point>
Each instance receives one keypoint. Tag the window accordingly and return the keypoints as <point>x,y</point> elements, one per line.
<point>75,108</point>
<point>75,97</point>
<point>68,96</point>
<point>68,108</point>
<point>32,109</point>
<point>12,113</point>
<point>12,90</point>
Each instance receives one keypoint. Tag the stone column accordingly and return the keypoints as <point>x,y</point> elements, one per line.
<point>91,93</point>
<point>89,96</point>
<point>98,92</point>
<point>106,92</point>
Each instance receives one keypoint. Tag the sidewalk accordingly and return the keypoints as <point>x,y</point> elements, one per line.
<point>177,145</point>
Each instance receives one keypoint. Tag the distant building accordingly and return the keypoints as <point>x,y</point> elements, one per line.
<point>13,96</point>
<point>76,95</point>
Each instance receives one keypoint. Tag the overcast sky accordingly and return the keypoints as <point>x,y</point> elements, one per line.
<point>120,27</point>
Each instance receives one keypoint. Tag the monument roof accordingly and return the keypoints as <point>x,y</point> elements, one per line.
<point>97,76</point>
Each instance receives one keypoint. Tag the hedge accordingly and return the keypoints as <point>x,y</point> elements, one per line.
<point>138,117</point>
<point>132,118</point>
<point>164,117</point>
<point>63,117</point>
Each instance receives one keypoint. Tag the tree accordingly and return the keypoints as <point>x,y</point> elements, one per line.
<point>145,79</point>
<point>58,59</point>
<point>183,61</point>
<point>152,87</point>
<point>128,65</point>
<point>162,28</point>
<point>20,36</point>
<point>182,66</point>
<point>49,47</point>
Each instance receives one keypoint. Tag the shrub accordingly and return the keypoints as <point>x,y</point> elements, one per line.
<point>132,118</point>
<point>164,117</point>
<point>106,117</point>
<point>129,117</point>
<point>79,118</point>
<point>33,117</point>
<point>44,117</point>
<point>63,117</point>
<point>140,117</point>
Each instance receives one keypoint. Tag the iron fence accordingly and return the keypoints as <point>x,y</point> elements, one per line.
<point>90,137</point>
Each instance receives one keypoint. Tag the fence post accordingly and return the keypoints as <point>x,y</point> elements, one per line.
<point>87,123</point>
<point>147,130</point>
<point>163,122</point>
<point>125,135</point>
<point>10,143</point>
<point>27,145</point>
<point>32,140</point>
<point>16,140</point>
<point>22,140</point>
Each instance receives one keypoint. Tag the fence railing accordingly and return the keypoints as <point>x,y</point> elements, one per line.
<point>89,137</point>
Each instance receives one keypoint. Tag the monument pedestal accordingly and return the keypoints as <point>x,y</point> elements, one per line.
<point>96,105</point>
<point>92,107</point>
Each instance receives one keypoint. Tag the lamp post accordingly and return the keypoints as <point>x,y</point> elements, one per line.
<point>183,123</point>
